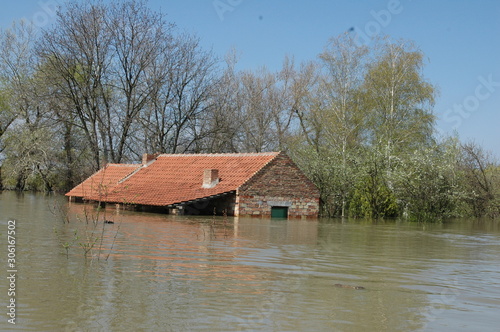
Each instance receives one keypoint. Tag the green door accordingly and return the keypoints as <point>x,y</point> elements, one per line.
<point>279,212</point>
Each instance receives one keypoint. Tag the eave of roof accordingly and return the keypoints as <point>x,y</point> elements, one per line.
<point>104,180</point>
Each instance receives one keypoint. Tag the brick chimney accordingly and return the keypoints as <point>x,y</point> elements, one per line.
<point>147,157</point>
<point>210,178</point>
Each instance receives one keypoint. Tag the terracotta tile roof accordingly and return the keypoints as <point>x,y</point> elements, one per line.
<point>178,178</point>
<point>102,181</point>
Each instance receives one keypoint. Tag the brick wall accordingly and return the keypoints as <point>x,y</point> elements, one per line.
<point>280,183</point>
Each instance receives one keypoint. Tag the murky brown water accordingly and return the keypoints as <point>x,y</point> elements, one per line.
<point>163,273</point>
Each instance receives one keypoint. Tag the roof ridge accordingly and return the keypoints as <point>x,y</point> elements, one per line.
<point>121,165</point>
<point>238,154</point>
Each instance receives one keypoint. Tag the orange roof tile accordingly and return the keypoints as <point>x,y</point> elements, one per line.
<point>177,178</point>
<point>103,181</point>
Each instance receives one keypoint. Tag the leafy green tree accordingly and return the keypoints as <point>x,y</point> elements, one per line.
<point>399,99</point>
<point>344,64</point>
<point>426,184</point>
<point>321,167</point>
<point>367,109</point>
<point>372,197</point>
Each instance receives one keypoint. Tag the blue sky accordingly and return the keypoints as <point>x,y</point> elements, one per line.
<point>460,39</point>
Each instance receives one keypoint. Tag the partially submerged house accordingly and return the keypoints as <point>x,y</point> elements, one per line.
<point>241,184</point>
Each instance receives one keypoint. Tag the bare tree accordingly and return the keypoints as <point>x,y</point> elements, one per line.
<point>480,176</point>
<point>128,76</point>
<point>304,105</point>
<point>181,97</point>
<point>140,37</point>
<point>7,117</point>
<point>224,119</point>
<point>17,81</point>
<point>268,107</point>
<point>255,134</point>
<point>78,50</point>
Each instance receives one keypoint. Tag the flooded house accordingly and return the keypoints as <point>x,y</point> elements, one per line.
<point>236,184</point>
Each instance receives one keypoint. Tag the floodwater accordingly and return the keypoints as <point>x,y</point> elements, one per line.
<point>152,272</point>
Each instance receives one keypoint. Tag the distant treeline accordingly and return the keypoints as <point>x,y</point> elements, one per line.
<point>109,82</point>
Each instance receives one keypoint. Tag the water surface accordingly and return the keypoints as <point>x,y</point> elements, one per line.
<point>157,272</point>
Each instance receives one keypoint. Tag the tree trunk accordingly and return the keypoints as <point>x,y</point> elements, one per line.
<point>69,181</point>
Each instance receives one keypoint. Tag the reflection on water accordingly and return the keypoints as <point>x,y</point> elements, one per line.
<point>168,273</point>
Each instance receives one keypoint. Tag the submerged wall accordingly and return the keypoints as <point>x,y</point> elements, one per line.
<point>280,184</point>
